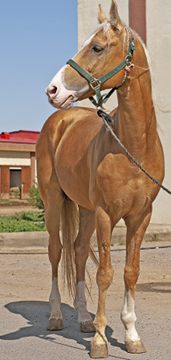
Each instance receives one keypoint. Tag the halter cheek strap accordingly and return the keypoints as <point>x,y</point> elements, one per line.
<point>95,84</point>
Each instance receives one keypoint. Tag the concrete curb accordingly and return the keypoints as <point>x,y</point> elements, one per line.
<point>24,239</point>
<point>39,240</point>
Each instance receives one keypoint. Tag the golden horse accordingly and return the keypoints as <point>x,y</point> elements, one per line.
<point>81,168</point>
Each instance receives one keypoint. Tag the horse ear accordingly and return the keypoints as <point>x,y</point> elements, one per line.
<point>115,19</point>
<point>101,15</point>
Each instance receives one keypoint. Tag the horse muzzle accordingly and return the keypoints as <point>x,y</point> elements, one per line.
<point>60,100</point>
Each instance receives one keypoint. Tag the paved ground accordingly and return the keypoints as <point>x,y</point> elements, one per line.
<point>25,286</point>
<point>12,210</point>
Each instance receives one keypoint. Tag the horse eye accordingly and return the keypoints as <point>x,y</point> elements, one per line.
<point>97,49</point>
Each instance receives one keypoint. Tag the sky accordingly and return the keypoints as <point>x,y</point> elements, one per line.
<point>37,37</point>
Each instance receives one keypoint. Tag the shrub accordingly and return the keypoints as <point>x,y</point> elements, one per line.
<point>33,216</point>
<point>12,224</point>
<point>35,199</point>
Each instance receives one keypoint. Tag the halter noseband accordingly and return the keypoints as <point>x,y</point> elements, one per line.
<point>95,84</point>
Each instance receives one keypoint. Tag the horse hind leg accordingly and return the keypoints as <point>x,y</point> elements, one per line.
<point>53,205</point>
<point>82,244</point>
<point>135,233</point>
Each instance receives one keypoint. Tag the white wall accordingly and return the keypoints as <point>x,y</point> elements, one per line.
<point>15,158</point>
<point>87,16</point>
<point>159,47</point>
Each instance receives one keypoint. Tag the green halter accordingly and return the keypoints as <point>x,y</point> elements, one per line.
<point>95,84</point>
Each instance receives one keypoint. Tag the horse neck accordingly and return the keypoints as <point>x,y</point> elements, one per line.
<point>136,114</point>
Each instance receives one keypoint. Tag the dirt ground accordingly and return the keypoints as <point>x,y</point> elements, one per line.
<point>25,286</point>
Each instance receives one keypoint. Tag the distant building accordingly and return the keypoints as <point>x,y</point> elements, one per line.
<point>17,163</point>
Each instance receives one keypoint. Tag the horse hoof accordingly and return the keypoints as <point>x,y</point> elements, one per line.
<point>87,327</point>
<point>135,347</point>
<point>98,351</point>
<point>55,324</point>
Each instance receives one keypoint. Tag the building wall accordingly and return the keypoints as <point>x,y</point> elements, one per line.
<point>26,179</point>
<point>158,33</point>
<point>23,161</point>
<point>5,181</point>
<point>87,16</point>
<point>15,158</point>
<point>159,47</point>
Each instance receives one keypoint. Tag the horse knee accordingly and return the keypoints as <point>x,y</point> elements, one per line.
<point>104,277</point>
<point>131,274</point>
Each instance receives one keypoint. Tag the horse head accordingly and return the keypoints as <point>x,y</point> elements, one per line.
<point>101,53</point>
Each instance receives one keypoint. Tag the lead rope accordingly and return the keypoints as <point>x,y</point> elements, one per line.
<point>108,121</point>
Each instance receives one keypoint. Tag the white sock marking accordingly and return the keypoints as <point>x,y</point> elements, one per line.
<point>128,317</point>
<point>80,303</point>
<point>55,301</point>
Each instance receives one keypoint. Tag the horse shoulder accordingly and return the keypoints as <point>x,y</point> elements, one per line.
<point>114,167</point>
<point>121,185</point>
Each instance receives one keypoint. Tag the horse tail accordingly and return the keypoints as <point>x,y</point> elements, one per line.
<point>69,228</point>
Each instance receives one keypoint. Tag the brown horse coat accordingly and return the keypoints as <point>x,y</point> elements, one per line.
<point>80,163</point>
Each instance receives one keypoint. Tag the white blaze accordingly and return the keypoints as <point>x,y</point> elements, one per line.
<point>63,97</point>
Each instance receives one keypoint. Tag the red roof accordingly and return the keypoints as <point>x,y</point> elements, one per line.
<point>20,136</point>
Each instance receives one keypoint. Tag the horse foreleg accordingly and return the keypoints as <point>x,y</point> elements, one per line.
<point>99,346</point>
<point>82,243</point>
<point>135,234</point>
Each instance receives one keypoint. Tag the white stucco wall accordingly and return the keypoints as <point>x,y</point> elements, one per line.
<point>87,16</point>
<point>15,158</point>
<point>159,47</point>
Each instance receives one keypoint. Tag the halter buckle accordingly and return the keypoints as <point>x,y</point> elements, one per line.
<point>95,84</point>
<point>128,59</point>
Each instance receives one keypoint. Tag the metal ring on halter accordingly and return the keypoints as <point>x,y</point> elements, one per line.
<point>95,84</point>
<point>128,59</point>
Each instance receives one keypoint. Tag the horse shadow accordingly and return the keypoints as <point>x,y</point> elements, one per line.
<point>156,287</point>
<point>37,312</point>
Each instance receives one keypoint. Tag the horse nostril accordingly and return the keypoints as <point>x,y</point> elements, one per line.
<point>51,91</point>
